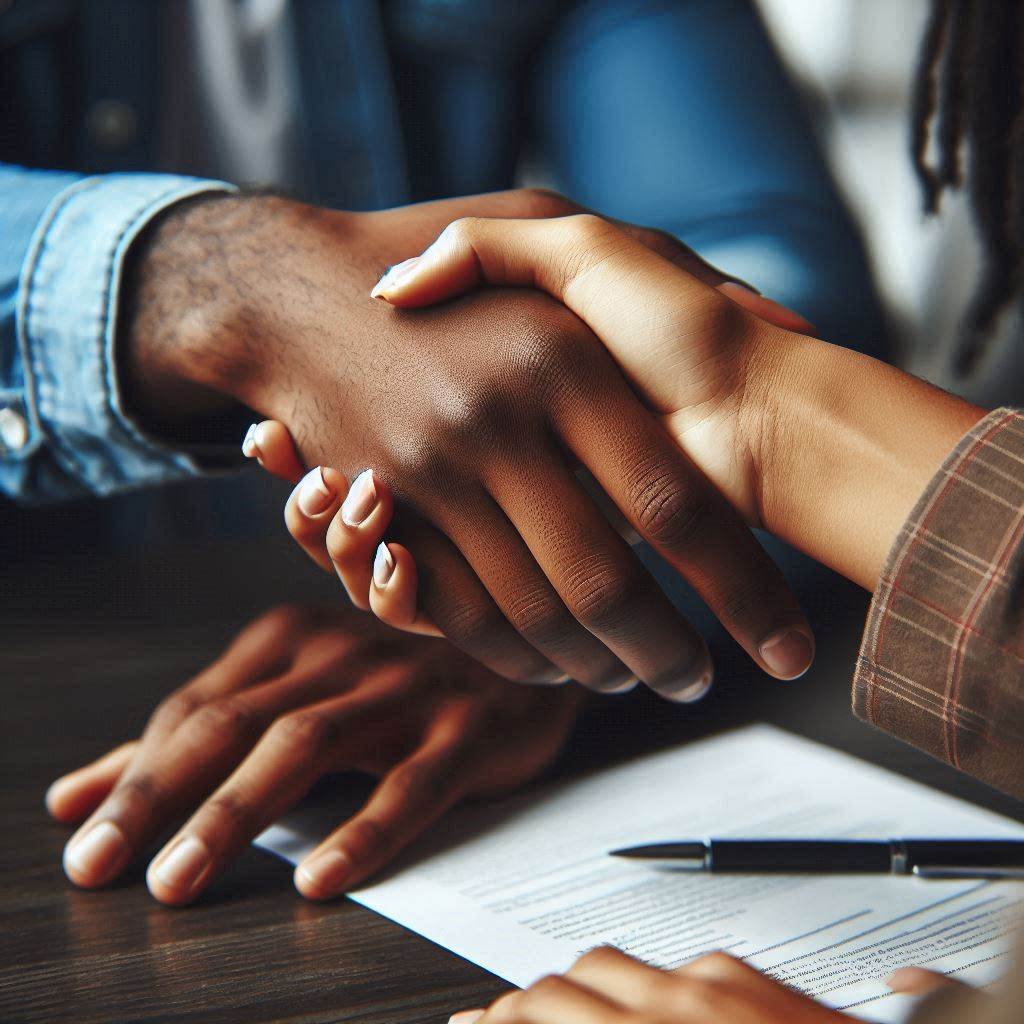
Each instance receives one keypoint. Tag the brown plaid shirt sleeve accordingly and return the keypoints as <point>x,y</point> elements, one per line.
<point>941,664</point>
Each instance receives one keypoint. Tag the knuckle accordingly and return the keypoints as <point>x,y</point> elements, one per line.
<point>281,620</point>
<point>177,707</point>
<point>419,460</point>
<point>141,789</point>
<point>540,617</point>
<point>416,784</point>
<point>703,996</point>
<point>477,417</point>
<point>230,716</point>
<point>603,596</point>
<point>369,837</point>
<point>506,1008</point>
<point>541,991</point>
<point>716,964</point>
<point>461,231</point>
<point>473,623</point>
<point>588,227</point>
<point>599,956</point>
<point>338,541</point>
<point>669,513</point>
<point>550,354</point>
<point>306,730</point>
<point>661,242</point>
<point>230,807</point>
<point>742,601</point>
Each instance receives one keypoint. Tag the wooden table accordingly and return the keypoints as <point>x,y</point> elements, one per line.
<point>88,645</point>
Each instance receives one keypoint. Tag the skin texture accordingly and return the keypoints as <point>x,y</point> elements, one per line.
<point>822,446</point>
<point>475,414</point>
<point>605,986</point>
<point>299,694</point>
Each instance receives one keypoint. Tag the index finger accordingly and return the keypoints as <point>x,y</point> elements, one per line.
<point>556,254</point>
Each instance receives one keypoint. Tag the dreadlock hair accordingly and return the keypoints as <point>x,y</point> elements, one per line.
<point>967,94</point>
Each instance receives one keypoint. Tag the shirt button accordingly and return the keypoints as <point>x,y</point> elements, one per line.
<point>113,124</point>
<point>13,430</point>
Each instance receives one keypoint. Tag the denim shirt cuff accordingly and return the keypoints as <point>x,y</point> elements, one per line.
<point>66,325</point>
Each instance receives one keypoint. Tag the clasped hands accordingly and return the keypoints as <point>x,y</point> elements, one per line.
<point>478,434</point>
<point>667,404</point>
<point>476,415</point>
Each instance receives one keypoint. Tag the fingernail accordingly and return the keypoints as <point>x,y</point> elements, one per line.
<point>181,867</point>
<point>324,875</point>
<point>393,277</point>
<point>688,690</point>
<point>739,283</point>
<point>789,653</point>
<point>360,500</point>
<point>249,442</point>
<point>383,566</point>
<point>314,494</point>
<point>623,687</point>
<point>551,678</point>
<point>94,856</point>
<point>465,1017</point>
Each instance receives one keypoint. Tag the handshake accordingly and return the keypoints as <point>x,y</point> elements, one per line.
<point>565,342</point>
<point>519,342</point>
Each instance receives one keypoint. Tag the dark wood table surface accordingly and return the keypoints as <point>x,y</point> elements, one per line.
<point>89,644</point>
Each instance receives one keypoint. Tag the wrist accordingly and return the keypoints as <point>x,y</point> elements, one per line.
<point>206,308</point>
<point>845,445</point>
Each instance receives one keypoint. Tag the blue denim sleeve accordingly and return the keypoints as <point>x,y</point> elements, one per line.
<point>63,240</point>
<point>679,114</point>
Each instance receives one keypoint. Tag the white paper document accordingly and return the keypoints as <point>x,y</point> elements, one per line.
<point>524,886</point>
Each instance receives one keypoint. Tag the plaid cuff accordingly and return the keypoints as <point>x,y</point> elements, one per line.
<point>941,664</point>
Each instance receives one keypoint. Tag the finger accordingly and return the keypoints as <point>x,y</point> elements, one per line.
<point>71,797</point>
<point>270,443</point>
<point>356,531</point>
<point>409,798</point>
<point>525,593</point>
<point>262,650</point>
<point>722,986</point>
<point>765,308</point>
<point>676,509</point>
<point>394,594</point>
<point>600,581</point>
<point>311,508</point>
<point>548,254</point>
<point>453,597</point>
<point>554,1000</point>
<point>298,748</point>
<point>171,772</point>
<point>916,981</point>
<point>613,974</point>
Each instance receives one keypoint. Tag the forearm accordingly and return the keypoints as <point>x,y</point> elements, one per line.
<point>846,445</point>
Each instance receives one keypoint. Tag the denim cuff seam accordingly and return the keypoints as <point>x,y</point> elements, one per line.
<point>99,327</point>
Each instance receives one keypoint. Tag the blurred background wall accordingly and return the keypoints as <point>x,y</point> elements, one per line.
<point>855,59</point>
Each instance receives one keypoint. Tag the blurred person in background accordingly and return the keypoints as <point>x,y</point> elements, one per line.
<point>125,131</point>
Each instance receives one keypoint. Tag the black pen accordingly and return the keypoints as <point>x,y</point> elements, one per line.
<point>926,858</point>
